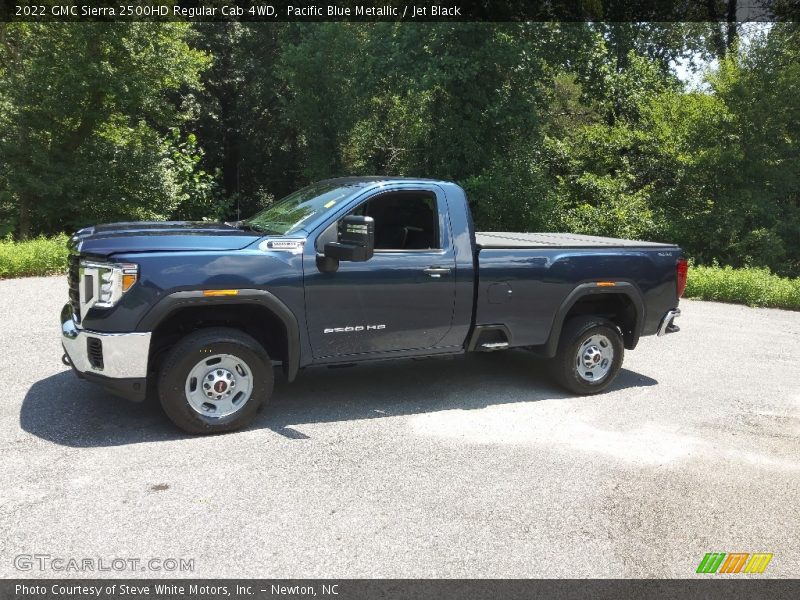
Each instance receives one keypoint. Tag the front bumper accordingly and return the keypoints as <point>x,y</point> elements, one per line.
<point>117,361</point>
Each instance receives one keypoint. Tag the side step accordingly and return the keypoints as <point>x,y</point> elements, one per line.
<point>489,338</point>
<point>490,346</point>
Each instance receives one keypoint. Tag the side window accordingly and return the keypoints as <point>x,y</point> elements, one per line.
<point>403,220</point>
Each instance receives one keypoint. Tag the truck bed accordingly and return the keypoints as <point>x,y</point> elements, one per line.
<point>507,239</point>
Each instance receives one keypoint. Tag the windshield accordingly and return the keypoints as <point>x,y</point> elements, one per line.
<point>298,209</point>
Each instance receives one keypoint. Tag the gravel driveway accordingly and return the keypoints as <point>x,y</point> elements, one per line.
<point>469,467</point>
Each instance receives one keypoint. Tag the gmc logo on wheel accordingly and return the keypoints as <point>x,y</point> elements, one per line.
<point>353,328</point>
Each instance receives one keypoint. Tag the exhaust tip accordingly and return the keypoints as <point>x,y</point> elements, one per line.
<point>65,359</point>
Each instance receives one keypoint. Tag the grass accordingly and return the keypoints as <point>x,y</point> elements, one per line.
<point>40,256</point>
<point>751,286</point>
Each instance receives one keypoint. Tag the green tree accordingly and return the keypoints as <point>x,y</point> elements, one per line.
<point>457,101</point>
<point>743,162</point>
<point>89,122</point>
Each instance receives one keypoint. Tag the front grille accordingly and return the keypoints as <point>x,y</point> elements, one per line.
<point>74,281</point>
<point>94,349</point>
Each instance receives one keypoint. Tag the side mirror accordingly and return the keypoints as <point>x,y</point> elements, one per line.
<point>356,240</point>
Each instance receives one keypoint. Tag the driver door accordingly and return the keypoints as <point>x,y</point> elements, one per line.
<point>399,301</point>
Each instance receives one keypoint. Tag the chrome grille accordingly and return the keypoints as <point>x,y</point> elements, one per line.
<point>74,281</point>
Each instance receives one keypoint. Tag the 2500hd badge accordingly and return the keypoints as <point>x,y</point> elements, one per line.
<point>352,328</point>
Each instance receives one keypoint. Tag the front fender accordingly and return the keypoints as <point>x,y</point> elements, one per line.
<point>177,300</point>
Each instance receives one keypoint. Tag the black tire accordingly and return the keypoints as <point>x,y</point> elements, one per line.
<point>574,335</point>
<point>188,353</point>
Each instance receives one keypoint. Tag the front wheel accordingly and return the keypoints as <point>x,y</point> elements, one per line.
<point>215,380</point>
<point>589,356</point>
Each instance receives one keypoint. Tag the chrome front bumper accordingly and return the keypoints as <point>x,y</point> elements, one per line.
<point>124,355</point>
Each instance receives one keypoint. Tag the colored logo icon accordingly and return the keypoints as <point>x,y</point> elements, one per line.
<point>735,562</point>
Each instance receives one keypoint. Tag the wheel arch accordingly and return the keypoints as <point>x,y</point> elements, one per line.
<point>621,303</point>
<point>182,309</point>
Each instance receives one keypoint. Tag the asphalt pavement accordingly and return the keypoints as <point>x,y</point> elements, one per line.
<point>474,466</point>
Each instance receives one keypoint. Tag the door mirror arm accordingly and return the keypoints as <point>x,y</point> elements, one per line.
<point>327,264</point>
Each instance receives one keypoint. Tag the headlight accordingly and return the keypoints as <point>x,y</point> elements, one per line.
<point>103,284</point>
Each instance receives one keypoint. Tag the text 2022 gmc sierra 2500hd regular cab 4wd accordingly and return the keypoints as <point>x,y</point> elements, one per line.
<point>343,271</point>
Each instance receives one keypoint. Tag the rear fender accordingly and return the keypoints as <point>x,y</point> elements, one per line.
<point>586,289</point>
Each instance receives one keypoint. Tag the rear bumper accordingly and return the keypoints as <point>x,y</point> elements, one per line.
<point>117,361</point>
<point>668,322</point>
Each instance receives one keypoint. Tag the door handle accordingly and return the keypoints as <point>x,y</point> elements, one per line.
<point>437,271</point>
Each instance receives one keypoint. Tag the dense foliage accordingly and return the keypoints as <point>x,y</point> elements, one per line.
<point>38,256</point>
<point>574,127</point>
<point>753,286</point>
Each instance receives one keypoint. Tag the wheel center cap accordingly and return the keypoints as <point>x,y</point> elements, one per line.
<point>592,357</point>
<point>220,386</point>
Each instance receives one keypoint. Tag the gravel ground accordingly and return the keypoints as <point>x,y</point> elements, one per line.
<point>470,467</point>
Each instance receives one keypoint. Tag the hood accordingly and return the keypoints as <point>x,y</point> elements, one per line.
<point>160,236</point>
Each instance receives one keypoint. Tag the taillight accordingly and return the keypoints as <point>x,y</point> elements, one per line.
<point>682,270</point>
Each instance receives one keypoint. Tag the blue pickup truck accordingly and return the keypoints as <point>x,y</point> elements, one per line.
<point>344,271</point>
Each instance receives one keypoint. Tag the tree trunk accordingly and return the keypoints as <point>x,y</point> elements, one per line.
<point>230,158</point>
<point>730,38</point>
<point>24,221</point>
<point>718,39</point>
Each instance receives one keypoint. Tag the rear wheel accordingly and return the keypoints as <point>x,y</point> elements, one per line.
<point>215,380</point>
<point>590,354</point>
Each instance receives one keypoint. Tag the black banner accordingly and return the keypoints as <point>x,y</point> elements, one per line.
<point>389,589</point>
<point>406,11</point>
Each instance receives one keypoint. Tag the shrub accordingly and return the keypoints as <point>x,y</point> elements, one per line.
<point>752,286</point>
<point>40,256</point>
